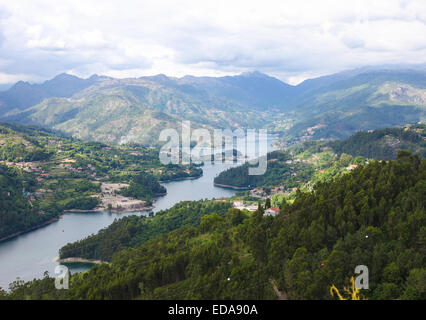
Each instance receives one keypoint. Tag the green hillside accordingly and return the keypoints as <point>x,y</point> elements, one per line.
<point>16,212</point>
<point>132,231</point>
<point>44,173</point>
<point>305,164</point>
<point>384,143</point>
<point>374,216</point>
<point>336,108</point>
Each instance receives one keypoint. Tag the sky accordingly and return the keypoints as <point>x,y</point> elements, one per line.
<point>291,40</point>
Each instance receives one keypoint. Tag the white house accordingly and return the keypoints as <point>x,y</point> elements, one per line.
<point>273,211</point>
<point>237,203</point>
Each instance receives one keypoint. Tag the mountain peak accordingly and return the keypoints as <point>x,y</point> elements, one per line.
<point>20,84</point>
<point>64,76</point>
<point>255,73</point>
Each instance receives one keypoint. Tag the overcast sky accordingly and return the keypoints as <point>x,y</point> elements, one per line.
<point>292,40</point>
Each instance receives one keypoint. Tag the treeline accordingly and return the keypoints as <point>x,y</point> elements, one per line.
<point>176,172</point>
<point>382,144</point>
<point>68,194</point>
<point>373,216</point>
<point>131,231</point>
<point>19,152</point>
<point>20,146</point>
<point>16,214</point>
<point>278,172</point>
<point>144,187</point>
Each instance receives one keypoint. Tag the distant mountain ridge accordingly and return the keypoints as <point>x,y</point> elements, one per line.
<point>137,109</point>
<point>23,94</point>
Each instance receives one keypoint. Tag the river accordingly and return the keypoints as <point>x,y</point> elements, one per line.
<point>29,255</point>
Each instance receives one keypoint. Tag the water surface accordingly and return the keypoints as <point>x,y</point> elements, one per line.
<point>29,255</point>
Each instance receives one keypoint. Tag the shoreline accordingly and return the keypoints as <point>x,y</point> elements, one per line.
<point>124,210</point>
<point>180,179</point>
<point>114,210</point>
<point>18,233</point>
<point>230,187</point>
<point>99,209</point>
<point>79,260</point>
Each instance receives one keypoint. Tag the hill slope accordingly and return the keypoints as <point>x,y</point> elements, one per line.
<point>374,216</point>
<point>312,161</point>
<point>23,94</point>
<point>384,143</point>
<point>339,105</point>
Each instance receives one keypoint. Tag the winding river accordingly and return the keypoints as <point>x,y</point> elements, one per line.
<point>29,255</point>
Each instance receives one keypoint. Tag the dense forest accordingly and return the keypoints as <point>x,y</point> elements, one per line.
<point>16,213</point>
<point>372,216</point>
<point>383,143</point>
<point>56,173</point>
<point>131,231</point>
<point>281,170</point>
<point>313,161</point>
<point>144,187</point>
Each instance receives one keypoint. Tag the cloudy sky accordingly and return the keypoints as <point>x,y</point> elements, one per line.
<point>292,40</point>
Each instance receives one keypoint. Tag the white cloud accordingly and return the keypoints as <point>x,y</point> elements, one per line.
<point>289,39</point>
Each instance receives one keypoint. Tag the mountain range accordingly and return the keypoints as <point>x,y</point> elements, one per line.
<point>136,109</point>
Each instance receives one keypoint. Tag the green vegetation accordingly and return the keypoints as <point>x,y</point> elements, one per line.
<point>144,187</point>
<point>373,216</point>
<point>289,172</point>
<point>48,173</point>
<point>305,164</point>
<point>384,143</point>
<point>281,170</point>
<point>16,213</point>
<point>131,231</point>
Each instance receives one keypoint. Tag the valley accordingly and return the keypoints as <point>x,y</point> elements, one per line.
<point>111,110</point>
<point>212,158</point>
<point>103,201</point>
<point>55,174</point>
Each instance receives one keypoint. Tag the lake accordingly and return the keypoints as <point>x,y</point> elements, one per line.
<point>29,255</point>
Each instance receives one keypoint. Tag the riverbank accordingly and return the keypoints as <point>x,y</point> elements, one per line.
<point>30,255</point>
<point>113,210</point>
<point>13,235</point>
<point>230,187</point>
<point>180,179</point>
<point>79,260</point>
<point>119,204</point>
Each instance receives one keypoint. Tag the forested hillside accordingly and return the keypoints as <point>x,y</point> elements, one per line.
<point>281,170</point>
<point>51,173</point>
<point>132,231</point>
<point>313,161</point>
<point>373,216</point>
<point>384,143</point>
<point>16,213</point>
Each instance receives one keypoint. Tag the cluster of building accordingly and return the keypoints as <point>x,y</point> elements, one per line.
<point>240,205</point>
<point>32,196</point>
<point>262,194</point>
<point>26,166</point>
<point>91,170</point>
